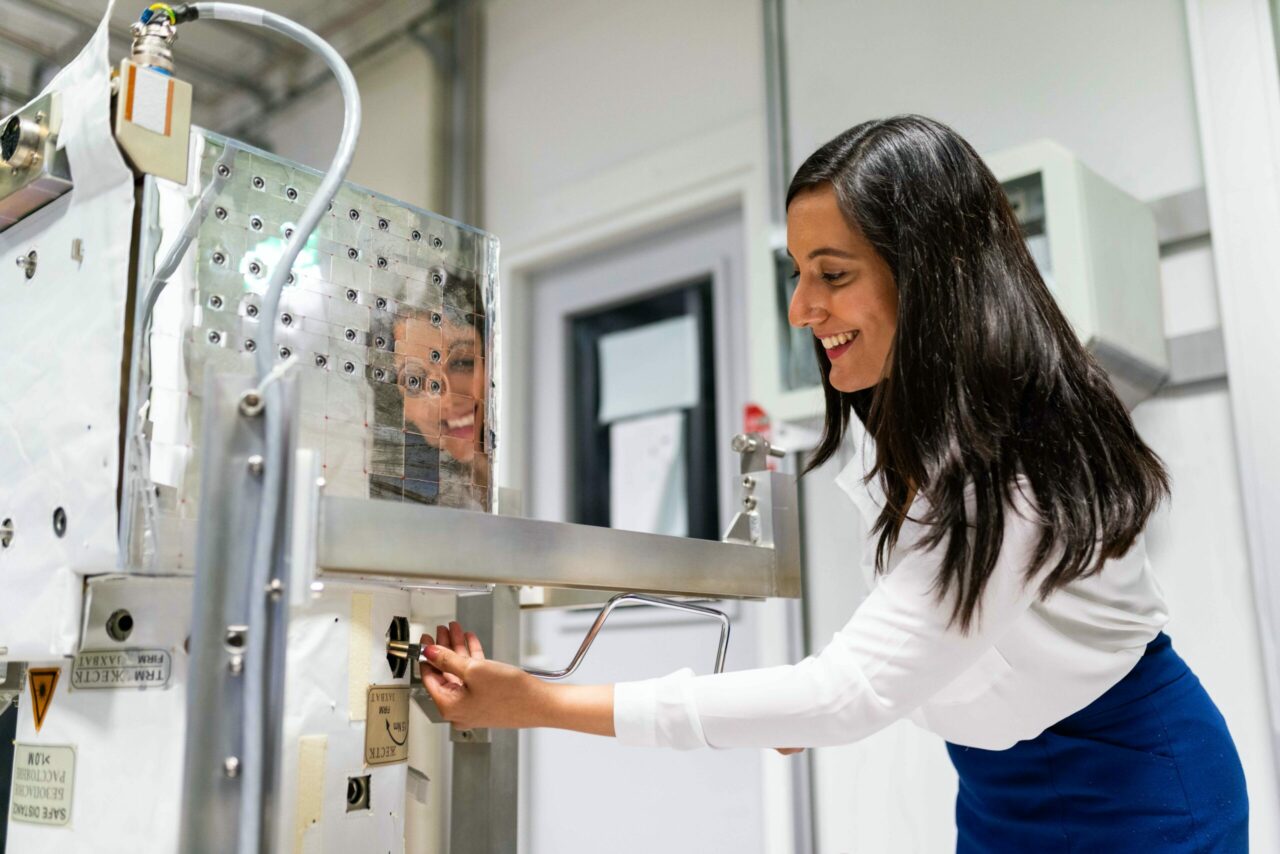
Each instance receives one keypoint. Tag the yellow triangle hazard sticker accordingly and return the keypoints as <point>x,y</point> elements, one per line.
<point>43,681</point>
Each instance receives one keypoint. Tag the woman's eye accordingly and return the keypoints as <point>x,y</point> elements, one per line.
<point>832,277</point>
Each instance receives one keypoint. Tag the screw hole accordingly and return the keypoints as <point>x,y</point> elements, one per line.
<point>59,522</point>
<point>291,194</point>
<point>382,263</point>
<point>255,223</point>
<point>6,533</point>
<point>353,214</point>
<point>381,303</point>
<point>383,225</point>
<point>353,253</point>
<point>352,295</point>
<point>436,243</point>
<point>220,213</point>
<point>416,235</point>
<point>120,625</point>
<point>258,183</point>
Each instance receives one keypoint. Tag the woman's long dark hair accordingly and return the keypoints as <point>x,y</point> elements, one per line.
<point>985,379</point>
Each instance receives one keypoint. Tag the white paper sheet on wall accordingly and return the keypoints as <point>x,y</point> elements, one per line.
<point>649,369</point>
<point>647,475</point>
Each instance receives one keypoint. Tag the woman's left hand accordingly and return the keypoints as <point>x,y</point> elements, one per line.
<point>471,691</point>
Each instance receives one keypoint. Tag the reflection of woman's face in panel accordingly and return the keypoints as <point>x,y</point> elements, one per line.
<point>441,370</point>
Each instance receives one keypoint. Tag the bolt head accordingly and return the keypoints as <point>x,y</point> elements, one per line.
<point>255,464</point>
<point>231,766</point>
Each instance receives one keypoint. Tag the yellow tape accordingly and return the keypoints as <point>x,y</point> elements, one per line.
<point>311,752</point>
<point>358,645</point>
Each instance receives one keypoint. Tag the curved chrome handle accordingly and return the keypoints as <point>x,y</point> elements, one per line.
<point>721,650</point>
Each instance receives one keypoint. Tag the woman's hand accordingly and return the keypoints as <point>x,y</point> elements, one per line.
<point>471,691</point>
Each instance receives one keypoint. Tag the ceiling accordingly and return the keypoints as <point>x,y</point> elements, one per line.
<point>236,71</point>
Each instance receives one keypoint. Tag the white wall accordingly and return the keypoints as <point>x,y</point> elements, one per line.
<point>1110,81</point>
<point>401,148</point>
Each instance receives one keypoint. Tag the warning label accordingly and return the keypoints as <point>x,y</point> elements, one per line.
<point>386,729</point>
<point>42,681</point>
<point>122,668</point>
<point>43,778</point>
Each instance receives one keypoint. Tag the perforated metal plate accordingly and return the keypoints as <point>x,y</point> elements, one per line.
<point>390,310</point>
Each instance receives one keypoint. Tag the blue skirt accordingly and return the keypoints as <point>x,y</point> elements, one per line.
<point>1149,766</point>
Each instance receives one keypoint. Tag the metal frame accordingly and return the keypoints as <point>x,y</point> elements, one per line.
<point>409,544</point>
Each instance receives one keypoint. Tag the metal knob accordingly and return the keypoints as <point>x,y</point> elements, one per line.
<point>20,141</point>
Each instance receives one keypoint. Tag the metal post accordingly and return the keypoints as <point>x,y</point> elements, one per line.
<point>484,799</point>
<point>221,759</point>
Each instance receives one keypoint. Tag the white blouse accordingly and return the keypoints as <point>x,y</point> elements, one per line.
<point>1025,665</point>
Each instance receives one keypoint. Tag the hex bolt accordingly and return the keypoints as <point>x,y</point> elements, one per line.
<point>350,335</point>
<point>349,367</point>
<point>219,258</point>
<point>250,345</point>
<point>251,310</point>
<point>748,482</point>
<point>749,503</point>
<point>275,590</point>
<point>223,171</point>
<point>236,664</point>
<point>255,465</point>
<point>215,301</point>
<point>215,337</point>
<point>231,766</point>
<point>285,352</point>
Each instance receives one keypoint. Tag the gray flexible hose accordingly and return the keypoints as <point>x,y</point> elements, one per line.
<point>253,751</point>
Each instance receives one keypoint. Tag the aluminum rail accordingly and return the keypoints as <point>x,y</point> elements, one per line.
<point>409,542</point>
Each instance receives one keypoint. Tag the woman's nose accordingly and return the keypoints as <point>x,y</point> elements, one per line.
<point>804,310</point>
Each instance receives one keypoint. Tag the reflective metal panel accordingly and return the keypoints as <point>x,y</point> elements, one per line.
<point>390,312</point>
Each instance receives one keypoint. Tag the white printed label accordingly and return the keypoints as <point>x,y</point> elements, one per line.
<point>149,106</point>
<point>121,668</point>
<point>43,779</point>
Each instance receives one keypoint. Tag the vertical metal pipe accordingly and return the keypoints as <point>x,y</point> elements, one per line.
<point>484,802</point>
<point>465,119</point>
<point>777,111</point>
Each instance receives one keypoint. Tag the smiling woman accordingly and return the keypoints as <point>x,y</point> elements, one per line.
<point>1015,613</point>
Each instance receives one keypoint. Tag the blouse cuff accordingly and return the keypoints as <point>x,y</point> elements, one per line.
<point>657,713</point>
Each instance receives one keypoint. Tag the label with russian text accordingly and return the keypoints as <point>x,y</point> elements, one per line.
<point>386,725</point>
<point>121,668</point>
<point>43,779</point>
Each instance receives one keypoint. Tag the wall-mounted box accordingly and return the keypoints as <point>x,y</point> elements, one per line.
<point>1096,247</point>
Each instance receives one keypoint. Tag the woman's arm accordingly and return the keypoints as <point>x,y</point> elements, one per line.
<point>895,653</point>
<point>472,692</point>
